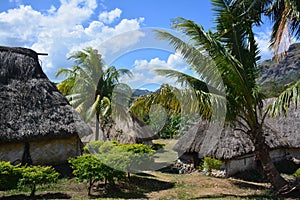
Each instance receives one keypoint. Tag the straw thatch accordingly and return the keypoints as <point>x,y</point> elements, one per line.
<point>288,126</point>
<point>32,108</point>
<point>130,131</point>
<point>230,143</point>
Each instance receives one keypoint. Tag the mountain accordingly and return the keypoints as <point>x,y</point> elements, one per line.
<point>276,74</point>
<point>140,92</point>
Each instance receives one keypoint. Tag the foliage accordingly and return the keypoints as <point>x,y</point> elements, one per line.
<point>89,86</point>
<point>9,175</point>
<point>89,168</point>
<point>210,164</point>
<point>297,173</point>
<point>36,175</point>
<point>226,61</point>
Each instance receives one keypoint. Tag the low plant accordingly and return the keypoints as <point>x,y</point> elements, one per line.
<point>297,173</point>
<point>37,175</point>
<point>9,175</point>
<point>210,163</point>
<point>89,169</point>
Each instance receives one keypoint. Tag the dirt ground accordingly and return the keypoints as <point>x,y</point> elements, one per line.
<point>154,185</point>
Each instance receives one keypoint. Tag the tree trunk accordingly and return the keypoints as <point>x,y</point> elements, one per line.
<point>97,130</point>
<point>33,188</point>
<point>262,153</point>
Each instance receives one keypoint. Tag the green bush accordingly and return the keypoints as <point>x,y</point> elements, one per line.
<point>210,164</point>
<point>9,176</point>
<point>297,173</point>
<point>89,169</point>
<point>93,146</point>
<point>37,175</point>
<point>140,155</point>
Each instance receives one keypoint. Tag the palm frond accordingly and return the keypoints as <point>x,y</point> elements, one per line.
<point>282,103</point>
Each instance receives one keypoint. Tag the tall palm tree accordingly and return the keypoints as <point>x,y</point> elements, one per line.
<point>285,15</point>
<point>233,51</point>
<point>89,86</point>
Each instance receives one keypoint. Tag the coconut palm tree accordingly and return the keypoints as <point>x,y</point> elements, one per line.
<point>285,15</point>
<point>233,51</point>
<point>89,86</point>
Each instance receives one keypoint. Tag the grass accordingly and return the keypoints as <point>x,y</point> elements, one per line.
<point>152,185</point>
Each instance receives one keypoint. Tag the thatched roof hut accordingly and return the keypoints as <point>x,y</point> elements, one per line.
<point>231,143</point>
<point>236,148</point>
<point>130,131</point>
<point>127,131</point>
<point>34,112</point>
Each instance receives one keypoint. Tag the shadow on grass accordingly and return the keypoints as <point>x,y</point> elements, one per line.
<point>136,188</point>
<point>38,196</point>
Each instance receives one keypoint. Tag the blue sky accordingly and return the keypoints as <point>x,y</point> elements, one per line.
<point>120,29</point>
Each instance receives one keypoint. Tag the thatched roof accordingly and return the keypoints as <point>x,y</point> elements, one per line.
<point>31,106</point>
<point>288,126</point>
<point>133,130</point>
<point>230,143</point>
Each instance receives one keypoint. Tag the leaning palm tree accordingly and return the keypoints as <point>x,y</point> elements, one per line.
<point>89,86</point>
<point>233,51</point>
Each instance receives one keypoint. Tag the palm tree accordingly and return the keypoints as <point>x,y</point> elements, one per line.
<point>232,49</point>
<point>89,86</point>
<point>285,14</point>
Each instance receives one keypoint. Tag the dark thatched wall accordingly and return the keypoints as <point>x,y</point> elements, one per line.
<point>31,106</point>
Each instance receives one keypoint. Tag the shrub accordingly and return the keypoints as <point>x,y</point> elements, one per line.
<point>93,146</point>
<point>210,164</point>
<point>297,173</point>
<point>35,175</point>
<point>140,155</point>
<point>9,176</point>
<point>89,169</point>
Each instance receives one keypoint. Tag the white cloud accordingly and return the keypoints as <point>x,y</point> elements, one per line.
<point>61,30</point>
<point>262,38</point>
<point>144,71</point>
<point>109,17</point>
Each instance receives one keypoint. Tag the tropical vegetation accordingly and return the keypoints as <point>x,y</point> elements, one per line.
<point>89,86</point>
<point>226,58</point>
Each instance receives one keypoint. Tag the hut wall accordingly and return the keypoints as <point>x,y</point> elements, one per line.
<point>52,152</point>
<point>239,164</point>
<point>248,162</point>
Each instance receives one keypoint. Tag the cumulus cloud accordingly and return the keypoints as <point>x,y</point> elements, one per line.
<point>144,71</point>
<point>109,17</point>
<point>262,38</point>
<point>62,30</point>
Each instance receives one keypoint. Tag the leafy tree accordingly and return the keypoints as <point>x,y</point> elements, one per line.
<point>89,86</point>
<point>35,175</point>
<point>231,49</point>
<point>87,169</point>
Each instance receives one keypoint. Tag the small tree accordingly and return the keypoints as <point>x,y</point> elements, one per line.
<point>87,169</point>
<point>35,175</point>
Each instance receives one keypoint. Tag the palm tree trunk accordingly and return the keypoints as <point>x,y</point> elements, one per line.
<point>262,153</point>
<point>97,130</point>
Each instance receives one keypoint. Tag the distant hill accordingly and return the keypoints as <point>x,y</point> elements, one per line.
<point>274,74</point>
<point>140,92</point>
